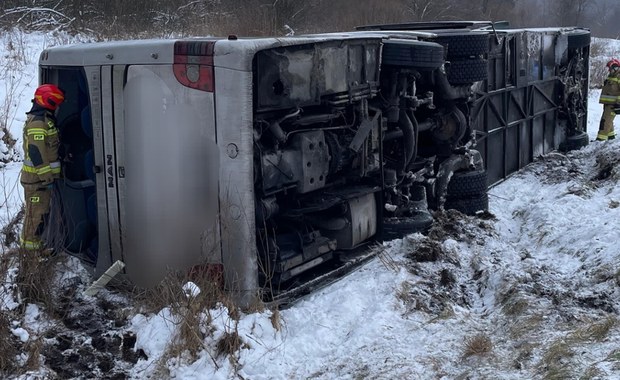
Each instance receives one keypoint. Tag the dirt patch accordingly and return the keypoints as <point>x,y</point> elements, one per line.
<point>444,281</point>
<point>555,168</point>
<point>602,301</point>
<point>426,250</point>
<point>452,224</point>
<point>90,341</point>
<point>573,168</point>
<point>607,164</point>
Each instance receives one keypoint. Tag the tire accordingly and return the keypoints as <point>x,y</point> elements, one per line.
<point>464,45</point>
<point>397,227</point>
<point>578,39</point>
<point>418,54</point>
<point>575,142</point>
<point>466,184</point>
<point>470,205</point>
<point>467,71</point>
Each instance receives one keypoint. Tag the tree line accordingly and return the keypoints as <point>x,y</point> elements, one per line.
<point>161,18</point>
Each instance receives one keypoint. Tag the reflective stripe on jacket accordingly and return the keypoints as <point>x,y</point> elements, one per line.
<point>41,141</point>
<point>610,94</point>
<point>30,245</point>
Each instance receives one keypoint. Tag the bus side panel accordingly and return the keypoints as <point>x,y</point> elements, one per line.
<point>109,164</point>
<point>233,99</point>
<point>104,258</point>
<point>170,174</point>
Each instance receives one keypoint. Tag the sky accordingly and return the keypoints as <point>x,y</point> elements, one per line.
<point>528,291</point>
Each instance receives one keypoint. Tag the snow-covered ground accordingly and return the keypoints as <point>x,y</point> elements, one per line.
<point>527,291</point>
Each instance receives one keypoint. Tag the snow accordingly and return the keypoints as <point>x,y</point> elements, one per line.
<point>548,239</point>
<point>154,332</point>
<point>538,280</point>
<point>21,334</point>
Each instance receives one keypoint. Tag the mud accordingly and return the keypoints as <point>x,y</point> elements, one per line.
<point>555,168</point>
<point>608,166</point>
<point>90,341</point>
<point>454,225</point>
<point>444,281</point>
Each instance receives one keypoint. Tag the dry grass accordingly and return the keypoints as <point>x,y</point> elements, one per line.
<point>424,296</point>
<point>596,332</point>
<point>257,305</point>
<point>598,74</point>
<point>12,73</point>
<point>190,336</point>
<point>386,259</point>
<point>598,49</point>
<point>558,373</point>
<point>192,316</point>
<point>35,278</point>
<point>404,291</point>
<point>555,363</point>
<point>28,279</point>
<point>557,351</point>
<point>187,310</point>
<point>514,306</point>
<point>599,331</point>
<point>35,282</point>
<point>34,348</point>
<point>7,137</point>
<point>410,300</point>
<point>229,344</point>
<point>478,345</point>
<point>10,231</point>
<point>613,356</point>
<point>591,373</point>
<point>9,346</point>
<point>526,326</point>
<point>169,293</point>
<point>275,319</point>
<point>524,355</point>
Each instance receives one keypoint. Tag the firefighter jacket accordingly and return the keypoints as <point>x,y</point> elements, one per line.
<point>611,90</point>
<point>41,164</point>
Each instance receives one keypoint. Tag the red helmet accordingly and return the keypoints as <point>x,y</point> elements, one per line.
<point>613,63</point>
<point>49,96</point>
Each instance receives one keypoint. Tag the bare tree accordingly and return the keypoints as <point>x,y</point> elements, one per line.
<point>44,16</point>
<point>605,19</point>
<point>497,9</point>
<point>572,12</point>
<point>147,18</point>
<point>430,10</point>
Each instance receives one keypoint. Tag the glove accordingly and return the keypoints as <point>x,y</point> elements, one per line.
<point>48,182</point>
<point>46,179</point>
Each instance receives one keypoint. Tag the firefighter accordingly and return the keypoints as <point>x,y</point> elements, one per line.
<point>610,98</point>
<point>41,164</point>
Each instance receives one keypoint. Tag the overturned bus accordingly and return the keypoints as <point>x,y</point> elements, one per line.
<point>266,159</point>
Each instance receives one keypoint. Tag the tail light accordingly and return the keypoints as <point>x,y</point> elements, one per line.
<point>193,64</point>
